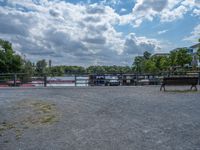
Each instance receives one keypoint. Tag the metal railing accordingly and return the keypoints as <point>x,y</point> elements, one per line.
<point>21,79</point>
<point>26,80</point>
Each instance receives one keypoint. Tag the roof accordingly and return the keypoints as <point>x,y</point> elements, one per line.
<point>176,49</point>
<point>195,46</point>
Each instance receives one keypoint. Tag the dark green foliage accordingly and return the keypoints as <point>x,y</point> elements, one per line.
<point>198,51</point>
<point>138,64</point>
<point>74,70</point>
<point>78,70</point>
<point>28,67</point>
<point>56,71</point>
<point>108,69</point>
<point>41,67</point>
<point>180,57</point>
<point>142,63</point>
<point>147,55</point>
<point>156,64</point>
<point>9,61</point>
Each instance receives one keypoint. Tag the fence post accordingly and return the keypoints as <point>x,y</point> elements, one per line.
<point>199,78</point>
<point>15,79</point>
<point>75,80</point>
<point>45,81</point>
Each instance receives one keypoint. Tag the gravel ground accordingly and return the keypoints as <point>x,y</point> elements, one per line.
<point>99,118</point>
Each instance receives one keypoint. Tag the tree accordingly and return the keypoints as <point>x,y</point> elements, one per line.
<point>147,55</point>
<point>150,66</point>
<point>161,62</point>
<point>9,61</point>
<point>138,64</point>
<point>173,58</point>
<point>183,57</point>
<point>28,68</point>
<point>57,71</point>
<point>41,67</point>
<point>198,51</point>
<point>180,57</point>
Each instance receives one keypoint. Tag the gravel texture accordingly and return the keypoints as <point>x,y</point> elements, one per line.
<point>99,118</point>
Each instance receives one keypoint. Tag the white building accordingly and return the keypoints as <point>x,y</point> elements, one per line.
<point>193,51</point>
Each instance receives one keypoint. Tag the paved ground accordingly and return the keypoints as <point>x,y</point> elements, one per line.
<point>99,118</point>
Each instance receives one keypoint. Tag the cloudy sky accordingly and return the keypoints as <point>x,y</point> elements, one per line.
<point>98,32</point>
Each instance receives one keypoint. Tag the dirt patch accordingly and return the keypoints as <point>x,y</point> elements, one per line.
<point>40,112</point>
<point>30,114</point>
<point>6,126</point>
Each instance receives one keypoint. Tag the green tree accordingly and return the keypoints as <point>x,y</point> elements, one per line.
<point>161,62</point>
<point>28,68</point>
<point>9,61</point>
<point>173,58</point>
<point>41,67</point>
<point>150,66</point>
<point>180,57</point>
<point>138,64</point>
<point>183,57</point>
<point>198,51</point>
<point>147,55</point>
<point>57,71</point>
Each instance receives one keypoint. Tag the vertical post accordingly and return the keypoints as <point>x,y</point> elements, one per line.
<point>15,79</point>
<point>75,80</point>
<point>104,79</point>
<point>199,78</point>
<point>45,81</point>
<point>136,79</point>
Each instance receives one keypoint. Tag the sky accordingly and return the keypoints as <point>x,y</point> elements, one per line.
<point>98,32</point>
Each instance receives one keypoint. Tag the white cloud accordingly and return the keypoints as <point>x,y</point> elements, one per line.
<point>123,10</point>
<point>162,31</point>
<point>143,10</point>
<point>196,12</point>
<point>111,2</point>
<point>171,15</point>
<point>73,34</point>
<point>194,36</point>
<point>166,10</point>
<point>138,45</point>
<point>191,3</point>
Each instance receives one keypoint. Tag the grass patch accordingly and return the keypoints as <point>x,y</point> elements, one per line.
<point>40,113</point>
<point>43,107</point>
<point>36,114</point>
<point>4,126</point>
<point>48,119</point>
<point>39,120</point>
<point>18,134</point>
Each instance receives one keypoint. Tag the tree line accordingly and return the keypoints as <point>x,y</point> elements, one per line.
<point>177,60</point>
<point>11,62</point>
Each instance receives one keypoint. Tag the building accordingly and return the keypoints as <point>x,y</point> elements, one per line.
<point>193,51</point>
